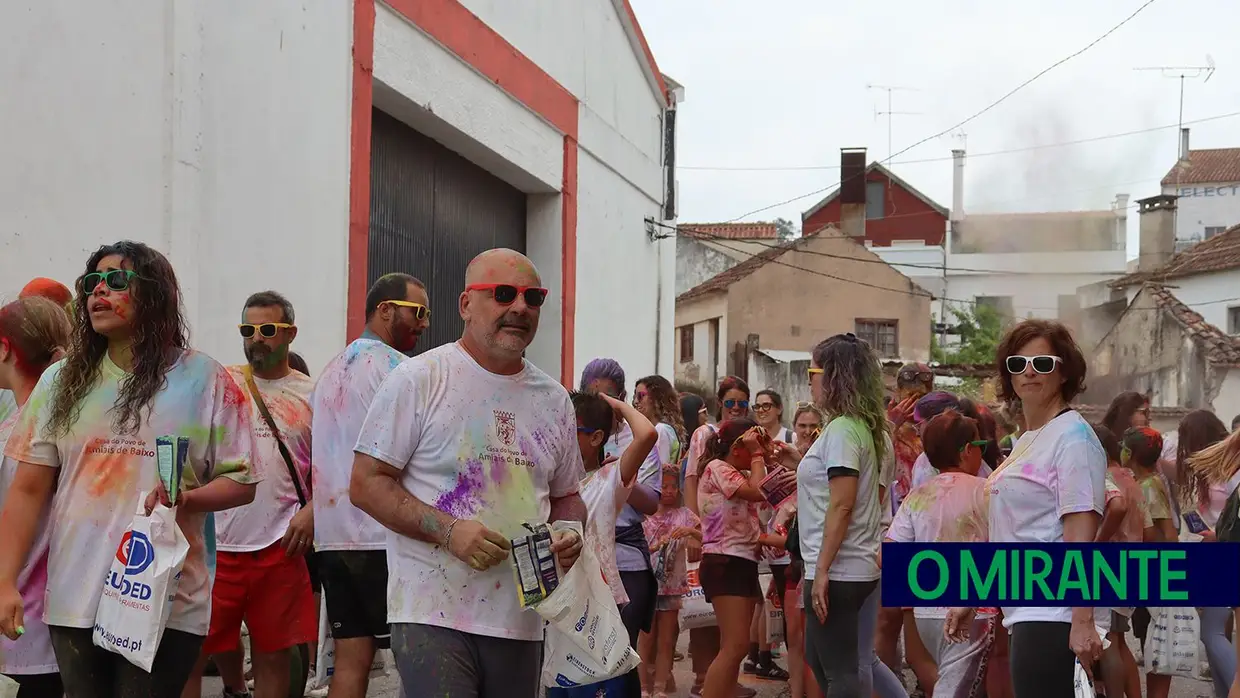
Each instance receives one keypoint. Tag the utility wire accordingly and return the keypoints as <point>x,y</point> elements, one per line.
<point>946,158</point>
<point>975,115</point>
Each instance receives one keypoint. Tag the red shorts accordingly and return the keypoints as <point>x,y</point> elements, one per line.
<point>271,592</point>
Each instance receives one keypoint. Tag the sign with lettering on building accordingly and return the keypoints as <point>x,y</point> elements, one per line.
<point>1209,191</point>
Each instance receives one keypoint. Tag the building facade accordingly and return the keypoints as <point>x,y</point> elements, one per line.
<point>1206,184</point>
<point>309,147</point>
<point>792,296</point>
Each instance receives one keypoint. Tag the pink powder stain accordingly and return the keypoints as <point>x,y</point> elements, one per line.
<point>499,471</point>
<point>1028,468</point>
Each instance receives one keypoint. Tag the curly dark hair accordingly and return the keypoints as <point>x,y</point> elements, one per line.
<point>159,339</point>
<point>1073,367</point>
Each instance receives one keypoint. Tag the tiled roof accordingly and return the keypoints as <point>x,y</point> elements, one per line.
<point>1220,347</point>
<point>727,277</point>
<point>878,167</point>
<point>1219,253</point>
<point>1205,166</point>
<point>733,231</point>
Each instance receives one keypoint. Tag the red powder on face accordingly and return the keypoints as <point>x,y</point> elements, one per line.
<point>50,289</point>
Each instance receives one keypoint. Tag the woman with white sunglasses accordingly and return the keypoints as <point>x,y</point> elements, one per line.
<point>1050,490</point>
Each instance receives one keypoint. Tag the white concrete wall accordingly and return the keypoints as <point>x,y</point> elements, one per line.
<point>926,259</point>
<point>217,133</point>
<point>1017,275</point>
<point>625,282</point>
<point>1227,404</point>
<point>1205,205</point>
<point>1209,294</point>
<point>698,314</point>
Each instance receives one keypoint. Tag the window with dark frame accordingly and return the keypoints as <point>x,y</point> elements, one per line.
<point>882,335</point>
<point>686,344</point>
<point>875,200</point>
<point>1212,230</point>
<point>1233,320</point>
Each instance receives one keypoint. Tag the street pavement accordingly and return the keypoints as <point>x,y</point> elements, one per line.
<point>389,686</point>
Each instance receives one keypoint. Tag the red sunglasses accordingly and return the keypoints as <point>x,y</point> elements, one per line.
<point>506,294</point>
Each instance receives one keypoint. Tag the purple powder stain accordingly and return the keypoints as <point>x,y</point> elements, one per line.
<point>499,470</point>
<point>466,498</point>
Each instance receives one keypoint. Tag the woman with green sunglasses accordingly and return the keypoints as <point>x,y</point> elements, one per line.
<point>85,445</point>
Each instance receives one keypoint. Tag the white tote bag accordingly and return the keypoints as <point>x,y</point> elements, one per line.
<point>695,612</point>
<point>140,587</point>
<point>325,662</point>
<point>586,641</point>
<point>1172,647</point>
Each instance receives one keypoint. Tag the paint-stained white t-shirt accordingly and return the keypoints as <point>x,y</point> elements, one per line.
<point>340,402</point>
<point>476,445</point>
<point>32,652</point>
<point>265,520</point>
<point>604,495</point>
<point>1054,471</point>
<point>845,443</point>
<point>103,475</point>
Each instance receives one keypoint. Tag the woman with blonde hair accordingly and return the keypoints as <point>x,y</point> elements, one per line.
<point>33,334</point>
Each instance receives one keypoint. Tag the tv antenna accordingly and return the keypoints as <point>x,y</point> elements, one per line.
<point>891,113</point>
<point>1182,73</point>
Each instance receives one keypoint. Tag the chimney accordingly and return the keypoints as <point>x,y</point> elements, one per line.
<point>1121,222</point>
<point>1184,146</point>
<point>852,191</point>
<point>957,186</point>
<point>1157,231</point>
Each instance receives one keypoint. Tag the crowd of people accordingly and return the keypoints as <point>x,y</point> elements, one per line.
<point>390,489</point>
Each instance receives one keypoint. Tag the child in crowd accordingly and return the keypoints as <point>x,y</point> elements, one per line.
<point>1126,519</point>
<point>1141,449</point>
<point>666,531</point>
<point>604,490</point>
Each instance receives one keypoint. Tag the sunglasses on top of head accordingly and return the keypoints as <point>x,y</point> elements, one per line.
<point>1041,364</point>
<point>506,294</point>
<point>420,311</point>
<point>114,279</point>
<point>266,329</point>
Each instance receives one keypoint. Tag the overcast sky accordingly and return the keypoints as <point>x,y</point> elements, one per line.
<point>783,83</point>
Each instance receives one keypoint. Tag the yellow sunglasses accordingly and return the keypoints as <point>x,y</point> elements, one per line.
<point>266,329</point>
<point>420,311</point>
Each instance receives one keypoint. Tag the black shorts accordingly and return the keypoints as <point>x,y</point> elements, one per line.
<point>728,575</point>
<point>316,585</point>
<point>355,587</point>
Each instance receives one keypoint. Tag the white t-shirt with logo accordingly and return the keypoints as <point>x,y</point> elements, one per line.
<point>476,445</point>
<point>604,495</point>
<point>1054,471</point>
<point>649,474</point>
<point>340,402</point>
<point>264,521</point>
<point>102,476</point>
<point>32,652</point>
<point>845,443</point>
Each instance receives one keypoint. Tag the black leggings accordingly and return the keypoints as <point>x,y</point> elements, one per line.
<point>93,672</point>
<point>831,648</point>
<point>39,686</point>
<point>1042,662</point>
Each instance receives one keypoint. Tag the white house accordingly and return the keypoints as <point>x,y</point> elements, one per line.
<point>1207,186</point>
<point>309,146</point>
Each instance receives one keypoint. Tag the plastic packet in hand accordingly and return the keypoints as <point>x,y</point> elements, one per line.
<point>171,453</point>
<point>534,566</point>
<point>778,487</point>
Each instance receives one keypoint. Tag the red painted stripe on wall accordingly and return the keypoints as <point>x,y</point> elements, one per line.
<point>359,163</point>
<point>467,36</point>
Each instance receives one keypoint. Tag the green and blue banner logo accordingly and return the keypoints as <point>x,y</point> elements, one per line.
<point>1061,574</point>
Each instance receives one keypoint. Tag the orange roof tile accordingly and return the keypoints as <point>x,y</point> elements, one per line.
<point>1219,253</point>
<point>733,231</point>
<point>1205,166</point>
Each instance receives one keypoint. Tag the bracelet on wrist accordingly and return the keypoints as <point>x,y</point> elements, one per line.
<point>447,536</point>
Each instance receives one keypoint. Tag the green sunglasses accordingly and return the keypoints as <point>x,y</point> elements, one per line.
<point>980,443</point>
<point>116,279</point>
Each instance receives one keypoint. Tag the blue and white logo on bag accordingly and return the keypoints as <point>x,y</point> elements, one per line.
<point>135,552</point>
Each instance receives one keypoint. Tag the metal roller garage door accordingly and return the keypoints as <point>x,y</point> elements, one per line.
<point>431,211</point>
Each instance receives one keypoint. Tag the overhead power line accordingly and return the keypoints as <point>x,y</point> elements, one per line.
<point>947,158</point>
<point>980,112</point>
